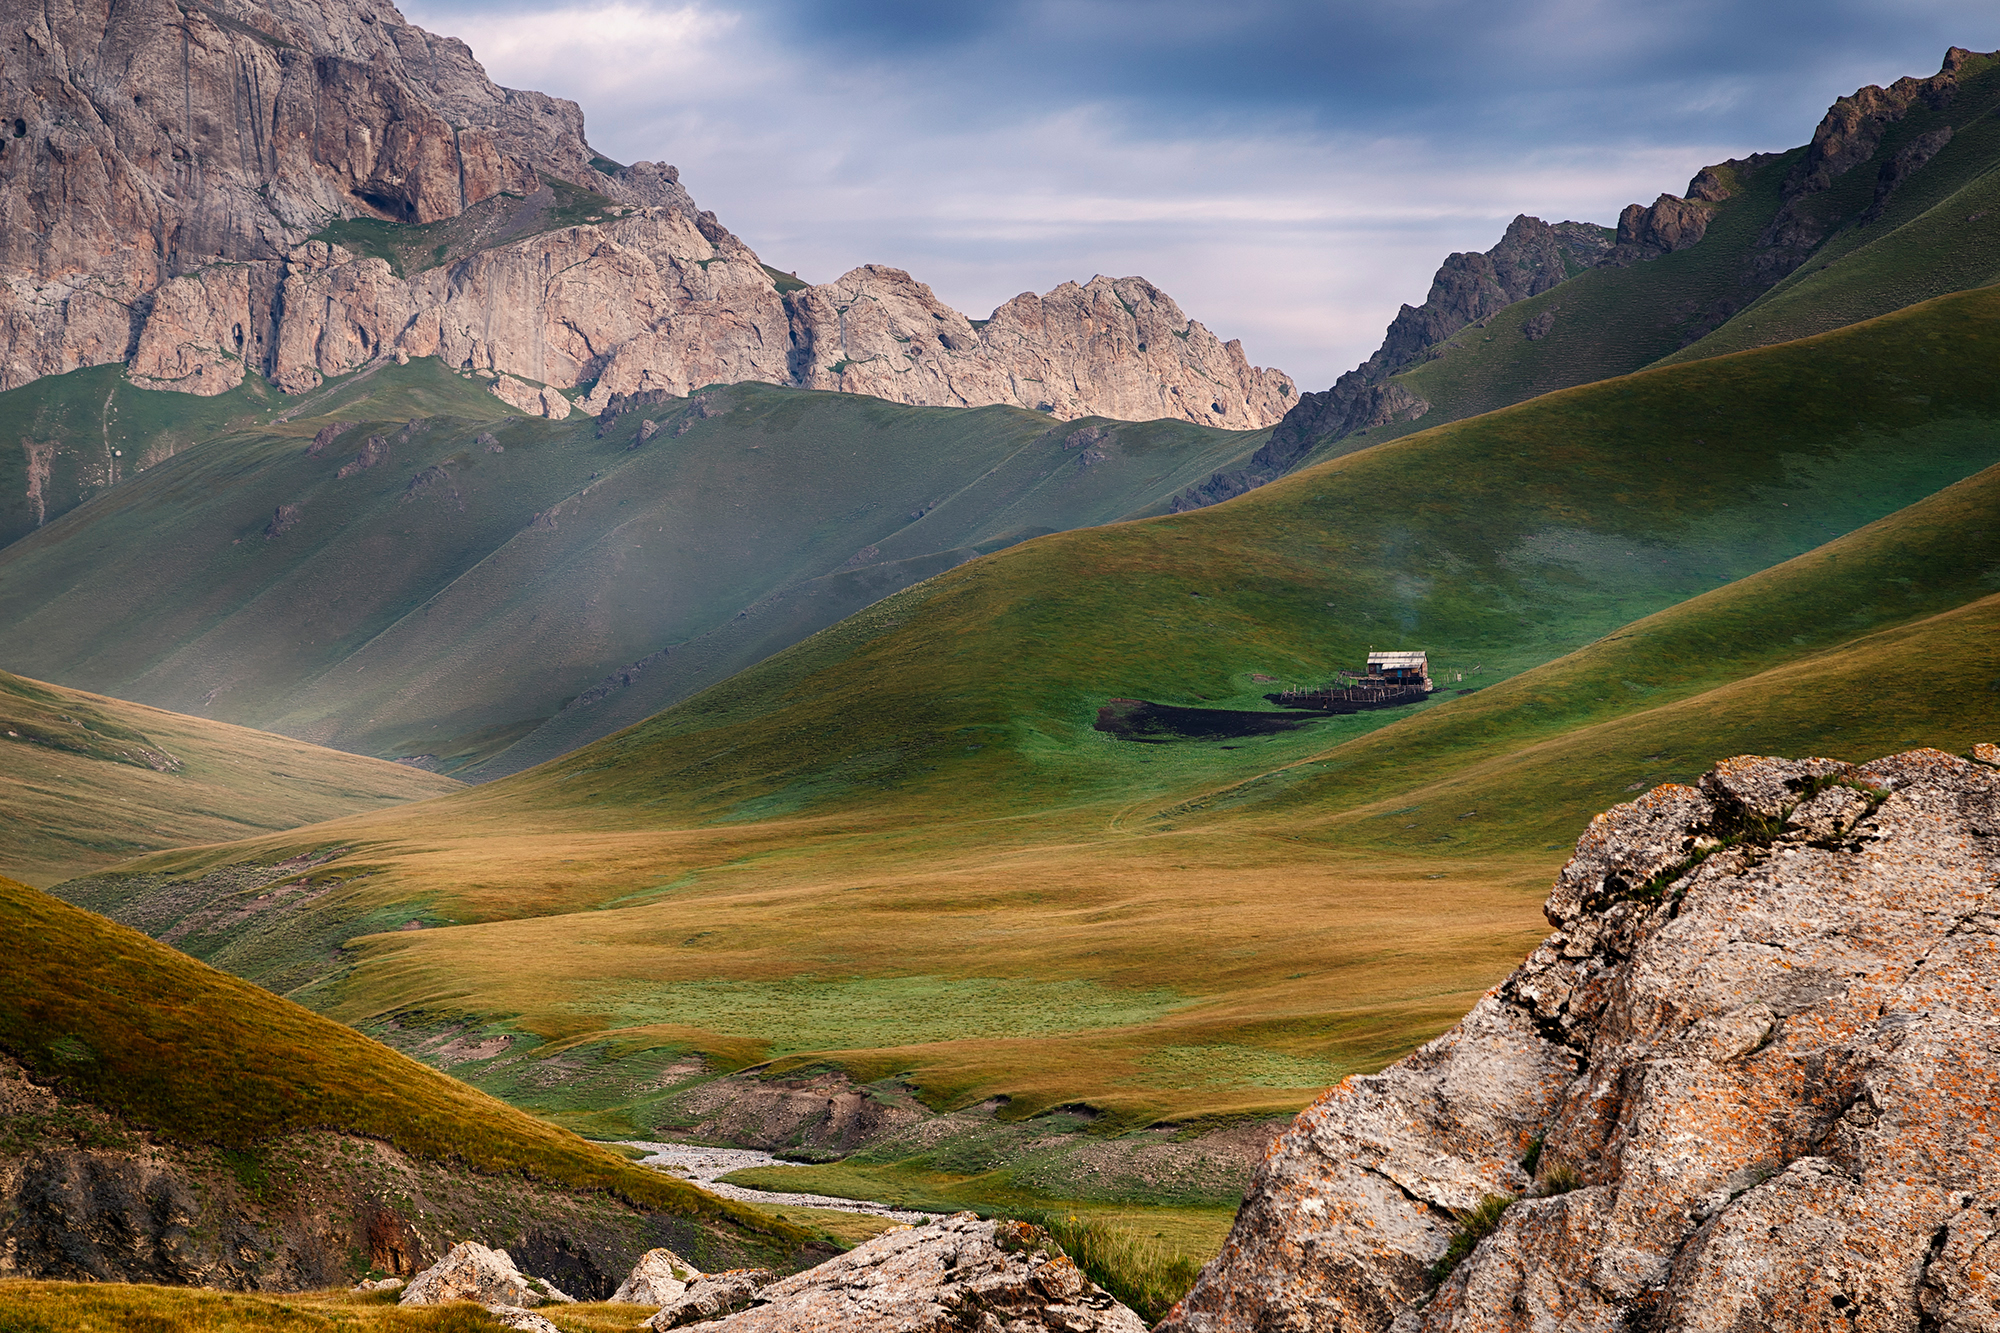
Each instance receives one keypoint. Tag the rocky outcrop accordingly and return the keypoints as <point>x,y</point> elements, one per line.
<point>659,1279</point>
<point>1115,347</point>
<point>472,1272</point>
<point>1911,158</point>
<point>1749,1082</point>
<point>85,1196</point>
<point>167,167</point>
<point>147,141</point>
<point>1671,223</point>
<point>711,1296</point>
<point>958,1274</point>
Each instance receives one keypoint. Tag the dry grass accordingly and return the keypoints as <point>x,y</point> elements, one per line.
<point>93,1307</point>
<point>172,1045</point>
<point>87,781</point>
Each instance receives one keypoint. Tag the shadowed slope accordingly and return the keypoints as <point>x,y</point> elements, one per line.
<point>407,572</point>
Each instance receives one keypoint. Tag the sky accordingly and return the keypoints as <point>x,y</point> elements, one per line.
<point>1290,172</point>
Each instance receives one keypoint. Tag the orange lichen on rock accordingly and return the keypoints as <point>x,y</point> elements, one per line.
<point>1757,1065</point>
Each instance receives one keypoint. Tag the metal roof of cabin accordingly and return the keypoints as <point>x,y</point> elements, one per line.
<point>1397,659</point>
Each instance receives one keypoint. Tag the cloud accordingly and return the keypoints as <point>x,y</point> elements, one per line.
<point>1289,170</point>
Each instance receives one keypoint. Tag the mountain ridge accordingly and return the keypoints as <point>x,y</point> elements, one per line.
<point>1805,204</point>
<point>219,240</point>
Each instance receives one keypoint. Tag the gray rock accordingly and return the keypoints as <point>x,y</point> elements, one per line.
<point>711,1296</point>
<point>527,1321</point>
<point>659,1279</point>
<point>1750,1082</point>
<point>471,1272</point>
<point>957,1274</point>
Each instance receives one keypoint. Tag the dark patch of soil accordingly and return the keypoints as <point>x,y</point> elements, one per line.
<point>1158,724</point>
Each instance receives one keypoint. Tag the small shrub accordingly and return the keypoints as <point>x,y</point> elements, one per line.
<point>1558,1179</point>
<point>1474,1225</point>
<point>1533,1155</point>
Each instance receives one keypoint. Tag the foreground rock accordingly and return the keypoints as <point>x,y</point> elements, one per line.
<point>471,1272</point>
<point>1750,1083</point>
<point>660,1278</point>
<point>958,1273</point>
<point>712,1295</point>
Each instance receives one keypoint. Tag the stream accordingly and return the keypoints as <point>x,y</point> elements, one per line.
<point>702,1165</point>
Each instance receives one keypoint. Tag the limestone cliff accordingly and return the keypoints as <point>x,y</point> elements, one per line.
<point>1749,1082</point>
<point>166,170</point>
<point>147,140</point>
<point>1113,347</point>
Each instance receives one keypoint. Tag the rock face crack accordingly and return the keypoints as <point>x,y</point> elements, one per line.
<point>1764,1040</point>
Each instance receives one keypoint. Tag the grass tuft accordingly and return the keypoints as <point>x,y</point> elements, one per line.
<point>1139,1270</point>
<point>1474,1225</point>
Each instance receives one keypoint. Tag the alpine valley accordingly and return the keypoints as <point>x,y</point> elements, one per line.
<point>498,678</point>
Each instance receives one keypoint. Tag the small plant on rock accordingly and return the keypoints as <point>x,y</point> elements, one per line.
<point>1474,1225</point>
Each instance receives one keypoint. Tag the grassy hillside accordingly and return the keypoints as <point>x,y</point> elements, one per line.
<point>483,569</point>
<point>1938,233</point>
<point>88,781</point>
<point>899,846</point>
<point>198,1056</point>
<point>1934,235</point>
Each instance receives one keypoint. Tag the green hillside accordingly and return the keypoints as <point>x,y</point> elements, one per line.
<point>88,781</point>
<point>1938,233</point>
<point>442,593</point>
<point>901,846</point>
<point>167,1043</point>
<point>1935,234</point>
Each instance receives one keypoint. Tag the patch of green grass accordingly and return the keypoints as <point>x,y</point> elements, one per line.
<point>784,281</point>
<point>71,437</point>
<point>1136,1267</point>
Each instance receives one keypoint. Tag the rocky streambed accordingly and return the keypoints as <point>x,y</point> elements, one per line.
<point>706,1166</point>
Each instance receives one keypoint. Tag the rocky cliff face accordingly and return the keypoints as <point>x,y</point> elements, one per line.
<point>145,141</point>
<point>1749,1083</point>
<point>164,171</point>
<point>1113,347</point>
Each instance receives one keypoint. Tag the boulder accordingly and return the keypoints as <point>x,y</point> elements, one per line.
<point>471,1272</point>
<point>710,1296</point>
<point>659,1279</point>
<point>1748,1083</point>
<point>958,1274</point>
<point>527,1321</point>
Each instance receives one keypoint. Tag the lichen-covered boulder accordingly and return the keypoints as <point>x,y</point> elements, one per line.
<point>660,1278</point>
<point>1751,1082</point>
<point>471,1272</point>
<point>958,1274</point>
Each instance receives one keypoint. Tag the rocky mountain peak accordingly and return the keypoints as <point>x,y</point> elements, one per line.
<point>167,179</point>
<point>1747,1083</point>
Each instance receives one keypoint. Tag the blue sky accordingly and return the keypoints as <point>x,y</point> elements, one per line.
<point>1290,172</point>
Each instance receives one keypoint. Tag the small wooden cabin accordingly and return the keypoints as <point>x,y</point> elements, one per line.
<point>1400,669</point>
<point>1393,678</point>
